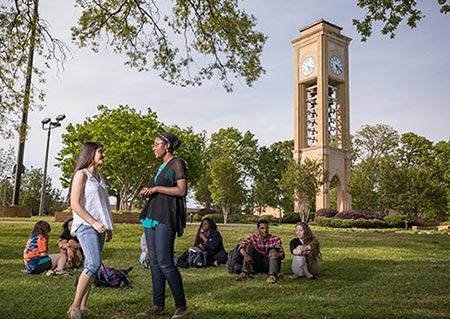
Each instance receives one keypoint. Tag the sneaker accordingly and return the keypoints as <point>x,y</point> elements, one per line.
<point>180,312</point>
<point>154,310</point>
<point>216,263</point>
<point>61,272</point>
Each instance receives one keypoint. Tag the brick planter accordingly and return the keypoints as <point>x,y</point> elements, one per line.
<point>15,211</point>
<point>61,217</point>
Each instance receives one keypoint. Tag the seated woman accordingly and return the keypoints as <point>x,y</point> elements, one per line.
<point>35,255</point>
<point>209,239</point>
<point>70,246</point>
<point>306,251</point>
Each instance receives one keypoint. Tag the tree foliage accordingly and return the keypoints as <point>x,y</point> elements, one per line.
<point>16,37</point>
<point>391,14</point>
<point>271,163</point>
<point>301,182</point>
<point>127,137</point>
<point>374,142</point>
<point>405,174</point>
<point>226,184</point>
<point>174,40</point>
<point>31,193</point>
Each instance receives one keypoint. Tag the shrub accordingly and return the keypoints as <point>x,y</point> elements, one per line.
<point>218,218</point>
<point>355,214</point>
<point>349,223</point>
<point>326,212</point>
<point>290,218</point>
<point>397,220</point>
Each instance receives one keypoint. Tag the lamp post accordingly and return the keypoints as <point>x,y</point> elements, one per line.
<point>48,125</point>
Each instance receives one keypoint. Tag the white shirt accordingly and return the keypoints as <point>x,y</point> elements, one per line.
<point>95,201</point>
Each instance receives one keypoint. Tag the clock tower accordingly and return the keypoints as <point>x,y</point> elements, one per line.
<point>322,128</point>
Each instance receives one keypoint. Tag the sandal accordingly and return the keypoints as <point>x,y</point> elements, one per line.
<point>85,311</point>
<point>74,313</point>
<point>271,279</point>
<point>244,275</point>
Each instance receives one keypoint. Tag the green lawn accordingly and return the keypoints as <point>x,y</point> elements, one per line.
<point>364,274</point>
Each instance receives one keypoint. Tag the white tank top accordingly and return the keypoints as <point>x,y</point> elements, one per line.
<point>95,201</point>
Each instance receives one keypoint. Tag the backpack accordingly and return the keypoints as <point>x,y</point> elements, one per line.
<point>182,261</point>
<point>235,261</point>
<point>112,277</point>
<point>196,257</point>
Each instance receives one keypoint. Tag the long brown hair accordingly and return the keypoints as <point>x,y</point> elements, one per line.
<point>310,239</point>
<point>41,228</point>
<point>84,159</point>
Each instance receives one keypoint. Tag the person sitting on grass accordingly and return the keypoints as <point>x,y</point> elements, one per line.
<point>144,258</point>
<point>263,252</point>
<point>70,246</point>
<point>210,240</point>
<point>35,255</point>
<point>306,250</point>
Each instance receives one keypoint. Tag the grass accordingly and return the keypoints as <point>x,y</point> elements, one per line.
<point>364,274</point>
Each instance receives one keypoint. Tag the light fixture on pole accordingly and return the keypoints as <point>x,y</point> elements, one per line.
<point>48,125</point>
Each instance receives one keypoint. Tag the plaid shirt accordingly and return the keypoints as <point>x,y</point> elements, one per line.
<point>263,245</point>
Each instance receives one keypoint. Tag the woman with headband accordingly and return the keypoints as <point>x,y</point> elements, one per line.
<point>163,217</point>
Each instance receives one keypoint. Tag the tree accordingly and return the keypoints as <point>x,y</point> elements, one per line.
<point>372,146</point>
<point>441,154</point>
<point>301,182</point>
<point>6,170</point>
<point>22,35</point>
<point>226,187</point>
<point>127,136</point>
<point>391,14</point>
<point>175,42</point>
<point>423,193</point>
<point>31,192</point>
<point>374,141</point>
<point>271,163</point>
<point>241,147</point>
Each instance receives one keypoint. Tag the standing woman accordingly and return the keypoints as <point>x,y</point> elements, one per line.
<point>92,219</point>
<point>163,217</point>
<point>306,251</point>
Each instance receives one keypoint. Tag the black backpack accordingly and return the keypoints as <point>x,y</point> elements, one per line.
<point>197,258</point>
<point>235,261</point>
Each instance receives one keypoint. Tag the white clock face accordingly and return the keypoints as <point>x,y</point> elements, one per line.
<point>308,65</point>
<point>336,65</point>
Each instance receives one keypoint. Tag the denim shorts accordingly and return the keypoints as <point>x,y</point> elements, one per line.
<point>91,242</point>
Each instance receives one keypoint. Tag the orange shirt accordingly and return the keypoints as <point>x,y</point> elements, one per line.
<point>36,245</point>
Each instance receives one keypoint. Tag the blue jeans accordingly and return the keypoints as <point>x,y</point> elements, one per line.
<point>91,242</point>
<point>160,242</point>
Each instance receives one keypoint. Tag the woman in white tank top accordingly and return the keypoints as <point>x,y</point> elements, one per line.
<point>92,219</point>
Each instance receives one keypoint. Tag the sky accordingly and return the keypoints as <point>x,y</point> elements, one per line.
<point>401,82</point>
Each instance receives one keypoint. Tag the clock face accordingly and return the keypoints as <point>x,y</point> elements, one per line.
<point>336,65</point>
<point>308,65</point>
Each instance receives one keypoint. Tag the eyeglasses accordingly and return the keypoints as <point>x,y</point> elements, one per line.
<point>156,144</point>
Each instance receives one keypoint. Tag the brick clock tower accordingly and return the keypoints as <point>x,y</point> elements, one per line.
<point>322,128</point>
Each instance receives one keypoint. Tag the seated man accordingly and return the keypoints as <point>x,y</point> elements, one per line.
<point>209,239</point>
<point>263,252</point>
